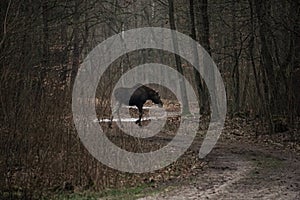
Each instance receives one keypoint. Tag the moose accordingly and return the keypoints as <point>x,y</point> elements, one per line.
<point>135,96</point>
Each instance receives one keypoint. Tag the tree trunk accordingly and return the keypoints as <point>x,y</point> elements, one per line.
<point>204,41</point>
<point>199,85</point>
<point>235,70</point>
<point>270,85</point>
<point>76,50</point>
<point>203,31</point>
<point>45,51</point>
<point>185,106</point>
<point>294,81</point>
<point>267,61</point>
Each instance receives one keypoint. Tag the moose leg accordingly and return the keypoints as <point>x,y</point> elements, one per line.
<point>117,108</point>
<point>118,113</point>
<point>111,119</point>
<point>140,107</point>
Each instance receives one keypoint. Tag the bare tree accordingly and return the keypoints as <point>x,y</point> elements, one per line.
<point>178,60</point>
<point>199,84</point>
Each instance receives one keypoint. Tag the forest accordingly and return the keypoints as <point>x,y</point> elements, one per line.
<point>255,46</point>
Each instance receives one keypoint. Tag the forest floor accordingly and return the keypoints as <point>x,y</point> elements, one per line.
<point>241,170</point>
<point>247,163</point>
<point>242,166</point>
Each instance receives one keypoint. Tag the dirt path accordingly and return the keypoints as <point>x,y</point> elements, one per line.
<point>239,170</point>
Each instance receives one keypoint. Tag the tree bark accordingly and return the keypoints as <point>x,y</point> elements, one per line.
<point>199,85</point>
<point>45,51</point>
<point>205,42</point>
<point>270,85</point>
<point>204,25</point>
<point>76,51</point>
<point>267,61</point>
<point>185,106</point>
<point>235,70</point>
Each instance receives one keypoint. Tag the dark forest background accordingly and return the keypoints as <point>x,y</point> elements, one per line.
<point>255,44</point>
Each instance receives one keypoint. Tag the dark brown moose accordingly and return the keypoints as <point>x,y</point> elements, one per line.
<point>135,96</point>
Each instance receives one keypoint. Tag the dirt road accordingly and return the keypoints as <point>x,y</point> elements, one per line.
<point>238,170</point>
